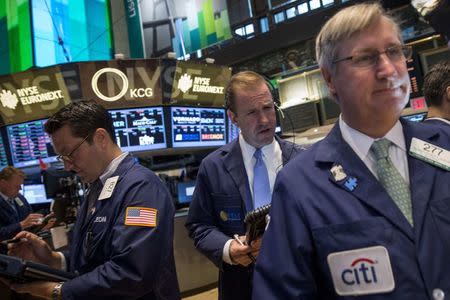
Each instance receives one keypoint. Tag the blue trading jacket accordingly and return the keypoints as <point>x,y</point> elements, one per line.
<point>314,217</point>
<point>118,261</point>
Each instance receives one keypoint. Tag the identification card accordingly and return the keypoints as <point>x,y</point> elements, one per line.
<point>18,201</point>
<point>361,271</point>
<point>108,188</point>
<point>430,153</point>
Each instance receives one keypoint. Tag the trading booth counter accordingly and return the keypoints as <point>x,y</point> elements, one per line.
<point>194,270</point>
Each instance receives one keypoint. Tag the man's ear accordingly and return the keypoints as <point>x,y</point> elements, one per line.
<point>329,80</point>
<point>101,138</point>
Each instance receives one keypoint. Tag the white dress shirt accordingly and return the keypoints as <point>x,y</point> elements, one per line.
<point>272,157</point>
<point>361,143</point>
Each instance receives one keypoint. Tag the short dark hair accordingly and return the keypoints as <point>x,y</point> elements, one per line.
<point>9,172</point>
<point>436,82</point>
<point>242,80</point>
<point>83,118</point>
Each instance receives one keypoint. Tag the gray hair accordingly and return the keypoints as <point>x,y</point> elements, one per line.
<point>345,24</point>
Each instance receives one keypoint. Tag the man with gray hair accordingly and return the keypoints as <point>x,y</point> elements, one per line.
<point>363,212</point>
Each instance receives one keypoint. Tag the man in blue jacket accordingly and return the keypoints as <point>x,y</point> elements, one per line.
<point>365,212</point>
<point>436,88</point>
<point>225,188</point>
<point>15,211</point>
<point>122,244</point>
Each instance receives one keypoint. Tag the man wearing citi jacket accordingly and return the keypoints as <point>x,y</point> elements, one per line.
<point>364,212</point>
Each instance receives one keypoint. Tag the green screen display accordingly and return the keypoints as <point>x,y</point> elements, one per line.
<point>15,33</point>
<point>206,23</point>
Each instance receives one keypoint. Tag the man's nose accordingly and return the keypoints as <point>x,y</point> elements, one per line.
<point>385,66</point>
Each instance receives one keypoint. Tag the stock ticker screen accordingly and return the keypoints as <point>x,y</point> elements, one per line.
<point>139,129</point>
<point>3,157</point>
<point>198,127</point>
<point>29,142</point>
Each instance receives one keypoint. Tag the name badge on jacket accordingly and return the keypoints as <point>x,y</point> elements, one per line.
<point>18,201</point>
<point>108,188</point>
<point>430,153</point>
<point>361,271</point>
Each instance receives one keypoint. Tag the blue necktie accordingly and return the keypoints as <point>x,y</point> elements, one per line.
<point>261,184</point>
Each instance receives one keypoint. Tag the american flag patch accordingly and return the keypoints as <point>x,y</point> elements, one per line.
<point>141,216</point>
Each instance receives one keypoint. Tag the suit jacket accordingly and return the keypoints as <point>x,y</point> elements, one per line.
<point>222,189</point>
<point>316,215</point>
<point>9,219</point>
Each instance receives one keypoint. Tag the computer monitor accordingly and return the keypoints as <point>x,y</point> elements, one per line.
<point>139,129</point>
<point>35,193</point>
<point>3,156</point>
<point>55,181</point>
<point>233,131</point>
<point>29,142</point>
<point>419,117</point>
<point>198,126</point>
<point>415,113</point>
<point>432,56</point>
<point>185,191</point>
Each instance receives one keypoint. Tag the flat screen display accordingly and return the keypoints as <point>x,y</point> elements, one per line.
<point>139,129</point>
<point>198,127</point>
<point>185,191</point>
<point>416,117</point>
<point>233,131</point>
<point>35,193</point>
<point>29,142</point>
<point>3,157</point>
<point>68,31</point>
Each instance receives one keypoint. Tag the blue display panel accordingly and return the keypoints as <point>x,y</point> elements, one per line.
<point>35,193</point>
<point>29,142</point>
<point>419,117</point>
<point>3,157</point>
<point>185,191</point>
<point>233,131</point>
<point>139,129</point>
<point>198,127</point>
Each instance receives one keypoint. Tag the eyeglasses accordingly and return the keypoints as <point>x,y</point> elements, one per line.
<point>370,58</point>
<point>68,158</point>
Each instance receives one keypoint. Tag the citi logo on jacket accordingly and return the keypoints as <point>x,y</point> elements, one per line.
<point>361,271</point>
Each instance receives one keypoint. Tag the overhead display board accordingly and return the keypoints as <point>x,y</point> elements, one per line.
<point>122,83</point>
<point>31,95</point>
<point>200,84</point>
<point>139,129</point>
